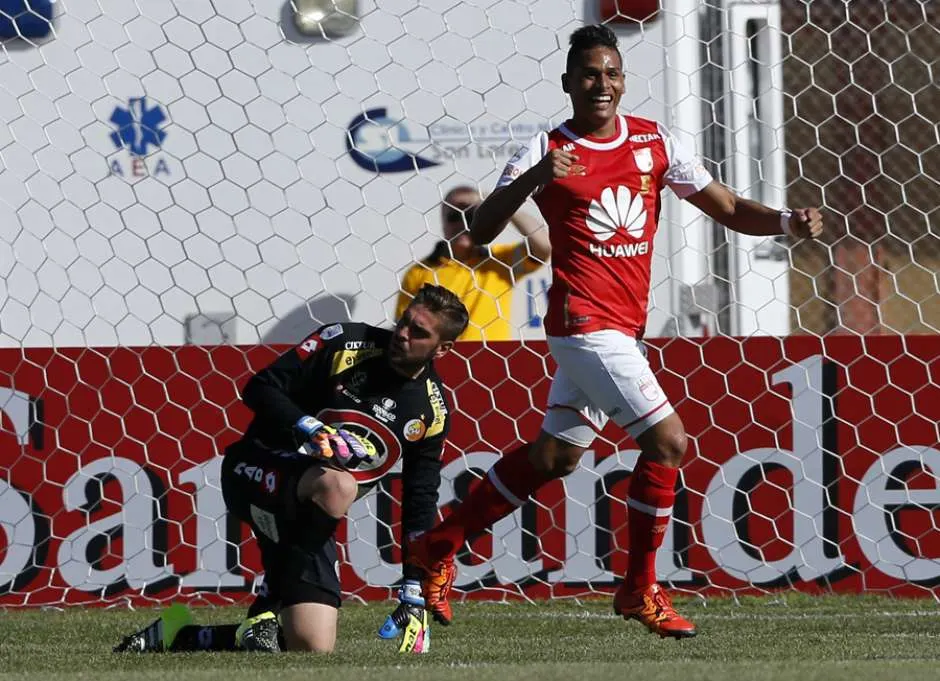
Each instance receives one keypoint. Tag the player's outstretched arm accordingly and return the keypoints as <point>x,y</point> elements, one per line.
<point>492,216</point>
<point>498,208</point>
<point>751,217</point>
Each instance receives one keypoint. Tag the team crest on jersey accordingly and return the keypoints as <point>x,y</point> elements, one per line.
<point>387,445</point>
<point>649,388</point>
<point>414,430</point>
<point>644,159</point>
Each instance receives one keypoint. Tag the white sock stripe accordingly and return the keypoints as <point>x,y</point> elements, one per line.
<point>502,489</point>
<point>649,510</point>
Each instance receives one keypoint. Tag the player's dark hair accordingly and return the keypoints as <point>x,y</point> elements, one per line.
<point>444,303</point>
<point>587,38</point>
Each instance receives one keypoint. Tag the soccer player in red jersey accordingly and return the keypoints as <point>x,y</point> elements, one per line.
<point>597,180</point>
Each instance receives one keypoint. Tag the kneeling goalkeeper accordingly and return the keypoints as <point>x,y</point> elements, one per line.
<point>332,416</point>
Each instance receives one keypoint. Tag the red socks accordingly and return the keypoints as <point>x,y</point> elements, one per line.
<point>510,482</point>
<point>649,508</point>
<point>507,485</point>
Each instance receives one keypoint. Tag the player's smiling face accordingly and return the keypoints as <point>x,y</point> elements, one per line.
<point>595,85</point>
<point>416,340</point>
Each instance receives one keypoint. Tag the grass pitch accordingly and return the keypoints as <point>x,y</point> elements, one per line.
<point>768,639</point>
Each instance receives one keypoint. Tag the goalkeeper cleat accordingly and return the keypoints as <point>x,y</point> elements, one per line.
<point>439,576</point>
<point>393,624</point>
<point>441,611</point>
<point>259,634</point>
<point>653,608</point>
<point>159,635</point>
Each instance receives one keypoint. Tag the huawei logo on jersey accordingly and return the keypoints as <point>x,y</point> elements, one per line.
<point>622,211</point>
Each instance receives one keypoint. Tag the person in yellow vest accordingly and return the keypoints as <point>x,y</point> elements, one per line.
<point>482,276</point>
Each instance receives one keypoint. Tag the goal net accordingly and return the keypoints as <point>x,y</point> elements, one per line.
<point>188,187</point>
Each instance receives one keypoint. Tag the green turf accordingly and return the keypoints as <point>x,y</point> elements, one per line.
<point>792,637</point>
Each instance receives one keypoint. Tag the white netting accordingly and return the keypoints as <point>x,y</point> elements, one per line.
<point>176,175</point>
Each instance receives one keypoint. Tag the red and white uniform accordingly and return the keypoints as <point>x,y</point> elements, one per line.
<point>602,220</point>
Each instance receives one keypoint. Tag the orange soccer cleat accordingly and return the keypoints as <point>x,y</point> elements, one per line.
<point>439,575</point>
<point>653,607</point>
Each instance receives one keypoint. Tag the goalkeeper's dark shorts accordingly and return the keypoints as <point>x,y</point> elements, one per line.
<point>297,542</point>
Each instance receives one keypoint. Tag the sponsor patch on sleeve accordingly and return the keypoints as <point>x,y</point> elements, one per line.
<point>309,346</point>
<point>512,172</point>
<point>331,331</point>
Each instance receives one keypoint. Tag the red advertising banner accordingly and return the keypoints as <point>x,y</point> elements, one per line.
<point>813,464</point>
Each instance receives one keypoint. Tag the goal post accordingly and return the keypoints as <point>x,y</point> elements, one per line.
<point>188,188</point>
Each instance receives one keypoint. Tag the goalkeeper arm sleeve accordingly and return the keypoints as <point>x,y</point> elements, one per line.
<point>421,478</point>
<point>268,392</point>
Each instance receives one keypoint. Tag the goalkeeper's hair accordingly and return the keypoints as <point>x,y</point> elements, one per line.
<point>444,303</point>
<point>587,38</point>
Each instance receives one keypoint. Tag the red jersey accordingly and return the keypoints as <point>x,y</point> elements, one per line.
<point>602,221</point>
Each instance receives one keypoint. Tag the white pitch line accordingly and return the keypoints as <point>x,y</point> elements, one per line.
<point>770,617</point>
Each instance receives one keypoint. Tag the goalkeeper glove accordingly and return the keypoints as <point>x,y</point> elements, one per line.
<point>340,446</point>
<point>410,620</point>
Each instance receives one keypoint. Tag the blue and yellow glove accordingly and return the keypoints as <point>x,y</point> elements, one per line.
<point>409,620</point>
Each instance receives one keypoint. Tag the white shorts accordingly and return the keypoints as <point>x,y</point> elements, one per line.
<point>601,375</point>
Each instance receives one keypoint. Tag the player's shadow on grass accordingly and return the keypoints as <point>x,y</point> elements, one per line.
<point>300,322</point>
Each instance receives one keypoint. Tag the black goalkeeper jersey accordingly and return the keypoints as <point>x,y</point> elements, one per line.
<point>340,375</point>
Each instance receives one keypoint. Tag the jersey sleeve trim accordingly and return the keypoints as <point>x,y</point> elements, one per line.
<point>438,410</point>
<point>686,174</point>
<point>588,143</point>
<point>527,157</point>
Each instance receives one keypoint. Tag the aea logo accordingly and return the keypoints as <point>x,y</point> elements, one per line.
<point>138,129</point>
<point>375,142</point>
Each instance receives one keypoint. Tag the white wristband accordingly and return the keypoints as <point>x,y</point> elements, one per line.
<point>785,221</point>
